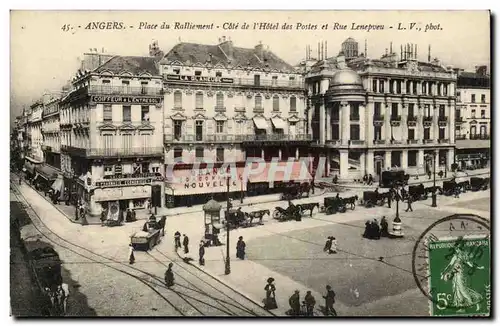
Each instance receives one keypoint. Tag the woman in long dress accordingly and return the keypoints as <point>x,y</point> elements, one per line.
<point>462,295</point>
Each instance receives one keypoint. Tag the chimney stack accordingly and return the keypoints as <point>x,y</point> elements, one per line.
<point>391,48</point>
<point>326,50</point>
<point>415,52</point>
<point>319,57</point>
<point>401,53</point>
<point>429,55</point>
<point>366,49</point>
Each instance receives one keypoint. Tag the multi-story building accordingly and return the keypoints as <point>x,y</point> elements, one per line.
<point>111,131</point>
<point>50,132</point>
<point>473,118</point>
<point>370,115</point>
<point>35,126</point>
<point>224,104</point>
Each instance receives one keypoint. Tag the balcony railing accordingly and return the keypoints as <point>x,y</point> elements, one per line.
<point>125,90</point>
<point>124,152</point>
<point>428,119</point>
<point>478,137</point>
<point>355,142</point>
<point>354,117</point>
<point>251,82</point>
<point>428,141</point>
<point>395,118</point>
<point>237,138</point>
<point>220,109</point>
<point>258,109</point>
<point>413,141</point>
<point>442,118</point>
<point>443,141</point>
<point>379,142</point>
<point>412,118</point>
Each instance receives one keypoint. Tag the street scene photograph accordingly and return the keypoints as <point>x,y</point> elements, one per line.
<point>256,164</point>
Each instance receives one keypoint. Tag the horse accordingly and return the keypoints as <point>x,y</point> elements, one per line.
<point>308,207</point>
<point>257,214</point>
<point>351,201</point>
<point>430,190</point>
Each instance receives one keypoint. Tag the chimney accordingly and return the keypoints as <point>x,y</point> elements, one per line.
<point>390,48</point>
<point>326,50</point>
<point>415,52</point>
<point>429,55</point>
<point>259,48</point>
<point>227,47</point>
<point>366,49</point>
<point>319,55</point>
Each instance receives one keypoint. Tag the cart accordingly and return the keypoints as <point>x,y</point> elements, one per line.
<point>145,240</point>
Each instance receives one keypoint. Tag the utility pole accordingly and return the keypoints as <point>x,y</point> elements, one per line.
<point>227,266</point>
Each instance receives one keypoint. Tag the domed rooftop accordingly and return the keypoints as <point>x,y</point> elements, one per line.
<point>346,77</point>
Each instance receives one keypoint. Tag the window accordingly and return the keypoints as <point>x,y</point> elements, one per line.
<point>144,113</point>
<point>394,110</point>
<point>178,152</point>
<point>107,113</point>
<point>219,126</point>
<point>293,103</point>
<point>442,112</point>
<point>483,98</point>
<point>177,129</point>
<point>411,110</point>
<point>411,134</point>
<point>381,85</point>
<point>354,132</point>
<point>473,98</point>
<point>177,71</point>
<point>144,87</point>
<point>177,100</point>
<point>199,100</point>
<point>412,158</point>
<point>335,131</point>
<point>398,86</point>
<point>155,169</point>
<point>127,143</point>
<point>482,131</point>
<point>258,101</point>
<point>199,153</point>
<point>108,170</point>
<point>199,130</point>
<point>197,72</point>
<point>125,86</point>
<point>276,103</point>
<point>424,88</point>
<point>127,114</point>
<point>472,132</point>
<point>391,86</point>
<point>408,87</point>
<point>414,91</point>
<point>256,80</point>
<point>441,133</point>
<point>483,114</point>
<point>219,154</point>
<point>291,81</point>
<point>374,85</point>
<point>107,141</point>
<point>377,134</point>
<point>218,74</point>
<point>274,81</point>
<point>439,89</point>
<point>457,131</point>
<point>427,133</point>
<point>427,110</point>
<point>377,109</point>
<point>219,100</point>
<point>445,89</point>
<point>473,113</point>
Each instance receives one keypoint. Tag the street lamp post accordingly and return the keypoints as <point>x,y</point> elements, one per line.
<point>227,266</point>
<point>434,204</point>
<point>397,202</point>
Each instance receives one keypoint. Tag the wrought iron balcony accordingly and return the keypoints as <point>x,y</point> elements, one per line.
<point>443,118</point>
<point>428,141</point>
<point>443,141</point>
<point>258,109</point>
<point>395,118</point>
<point>356,142</point>
<point>220,109</point>
<point>412,118</point>
<point>379,141</point>
<point>235,138</point>
<point>413,141</point>
<point>274,137</point>
<point>354,117</point>
<point>428,119</point>
<point>124,152</point>
<point>478,137</point>
<point>125,90</point>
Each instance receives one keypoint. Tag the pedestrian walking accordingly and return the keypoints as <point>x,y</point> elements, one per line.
<point>294,302</point>
<point>329,301</point>
<point>389,197</point>
<point>429,174</point>
<point>201,252</point>
<point>177,240</point>
<point>270,300</point>
<point>131,257</point>
<point>185,243</point>
<point>310,302</point>
<point>20,180</point>
<point>169,276</point>
<point>333,249</point>
<point>240,248</point>
<point>328,245</point>
<point>103,217</point>
<point>409,208</point>
<point>128,216</point>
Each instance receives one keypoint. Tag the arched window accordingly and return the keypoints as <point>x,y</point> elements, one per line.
<point>219,100</point>
<point>178,100</point>
<point>199,100</point>
<point>472,132</point>
<point>276,103</point>
<point>258,101</point>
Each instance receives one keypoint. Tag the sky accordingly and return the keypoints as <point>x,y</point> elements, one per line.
<point>44,55</point>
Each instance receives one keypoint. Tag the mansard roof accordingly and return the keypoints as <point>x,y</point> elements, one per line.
<point>132,64</point>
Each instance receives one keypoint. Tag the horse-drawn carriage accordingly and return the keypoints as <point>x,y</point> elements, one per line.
<point>373,198</point>
<point>308,207</point>
<point>237,218</point>
<point>45,266</point>
<point>332,205</point>
<point>292,212</point>
<point>150,235</point>
<point>477,183</point>
<point>393,178</point>
<point>295,191</point>
<point>449,187</point>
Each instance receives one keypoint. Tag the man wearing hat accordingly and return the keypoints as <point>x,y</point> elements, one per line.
<point>294,302</point>
<point>185,243</point>
<point>201,253</point>
<point>329,300</point>
<point>169,276</point>
<point>310,302</point>
<point>240,248</point>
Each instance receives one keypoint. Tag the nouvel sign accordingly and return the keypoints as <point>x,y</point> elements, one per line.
<point>200,79</point>
<point>125,99</point>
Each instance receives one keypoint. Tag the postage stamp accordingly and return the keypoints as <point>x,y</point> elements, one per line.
<point>459,270</point>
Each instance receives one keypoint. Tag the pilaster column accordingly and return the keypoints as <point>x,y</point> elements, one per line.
<point>362,123</point>
<point>362,165</point>
<point>344,164</point>
<point>451,124</point>
<point>387,122</point>
<point>404,122</point>
<point>369,112</point>
<point>435,125</point>
<point>346,122</point>
<point>404,159</point>
<point>419,88</point>
<point>309,119</point>
<point>322,123</point>
<point>296,153</point>
<point>387,159</point>
<point>420,160</point>
<point>328,121</point>
<point>411,86</point>
<point>450,159</point>
<point>369,167</point>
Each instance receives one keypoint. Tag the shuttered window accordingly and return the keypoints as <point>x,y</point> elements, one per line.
<point>107,113</point>
<point>276,103</point>
<point>177,99</point>
<point>199,100</point>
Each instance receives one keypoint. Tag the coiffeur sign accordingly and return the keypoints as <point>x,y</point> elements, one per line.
<point>192,182</point>
<point>125,99</point>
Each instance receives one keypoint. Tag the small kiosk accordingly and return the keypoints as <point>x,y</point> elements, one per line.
<point>397,230</point>
<point>213,225</point>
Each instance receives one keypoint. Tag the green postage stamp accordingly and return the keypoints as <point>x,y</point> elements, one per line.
<point>459,280</point>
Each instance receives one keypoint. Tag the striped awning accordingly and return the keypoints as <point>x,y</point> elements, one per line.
<point>279,123</point>
<point>260,123</point>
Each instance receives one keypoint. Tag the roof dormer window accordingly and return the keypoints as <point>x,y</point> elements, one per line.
<point>177,71</point>
<point>218,74</point>
<point>197,72</point>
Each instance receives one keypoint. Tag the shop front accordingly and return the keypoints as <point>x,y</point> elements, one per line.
<point>189,187</point>
<point>45,176</point>
<point>133,197</point>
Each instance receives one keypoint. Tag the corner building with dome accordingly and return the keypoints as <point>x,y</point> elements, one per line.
<point>368,115</point>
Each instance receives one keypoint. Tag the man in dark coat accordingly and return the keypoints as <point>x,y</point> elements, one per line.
<point>376,230</point>
<point>294,302</point>
<point>328,245</point>
<point>201,253</point>
<point>409,208</point>
<point>370,179</point>
<point>240,248</point>
<point>128,217</point>
<point>185,243</point>
<point>310,303</point>
<point>384,227</point>
<point>177,239</point>
<point>169,276</point>
<point>329,300</point>
<point>104,216</point>
<point>390,195</point>
<point>133,216</point>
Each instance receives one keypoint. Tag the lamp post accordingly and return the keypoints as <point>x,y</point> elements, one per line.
<point>241,188</point>
<point>434,204</point>
<point>227,266</point>
<point>397,202</point>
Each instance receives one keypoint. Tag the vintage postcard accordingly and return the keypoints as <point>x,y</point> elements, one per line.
<point>250,163</point>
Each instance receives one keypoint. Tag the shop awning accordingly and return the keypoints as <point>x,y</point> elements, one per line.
<point>278,123</point>
<point>272,172</point>
<point>260,123</point>
<point>203,181</point>
<point>468,143</point>
<point>47,172</point>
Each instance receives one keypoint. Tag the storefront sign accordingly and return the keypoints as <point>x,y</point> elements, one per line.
<point>126,182</point>
<point>122,193</point>
<point>125,99</point>
<point>200,79</point>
